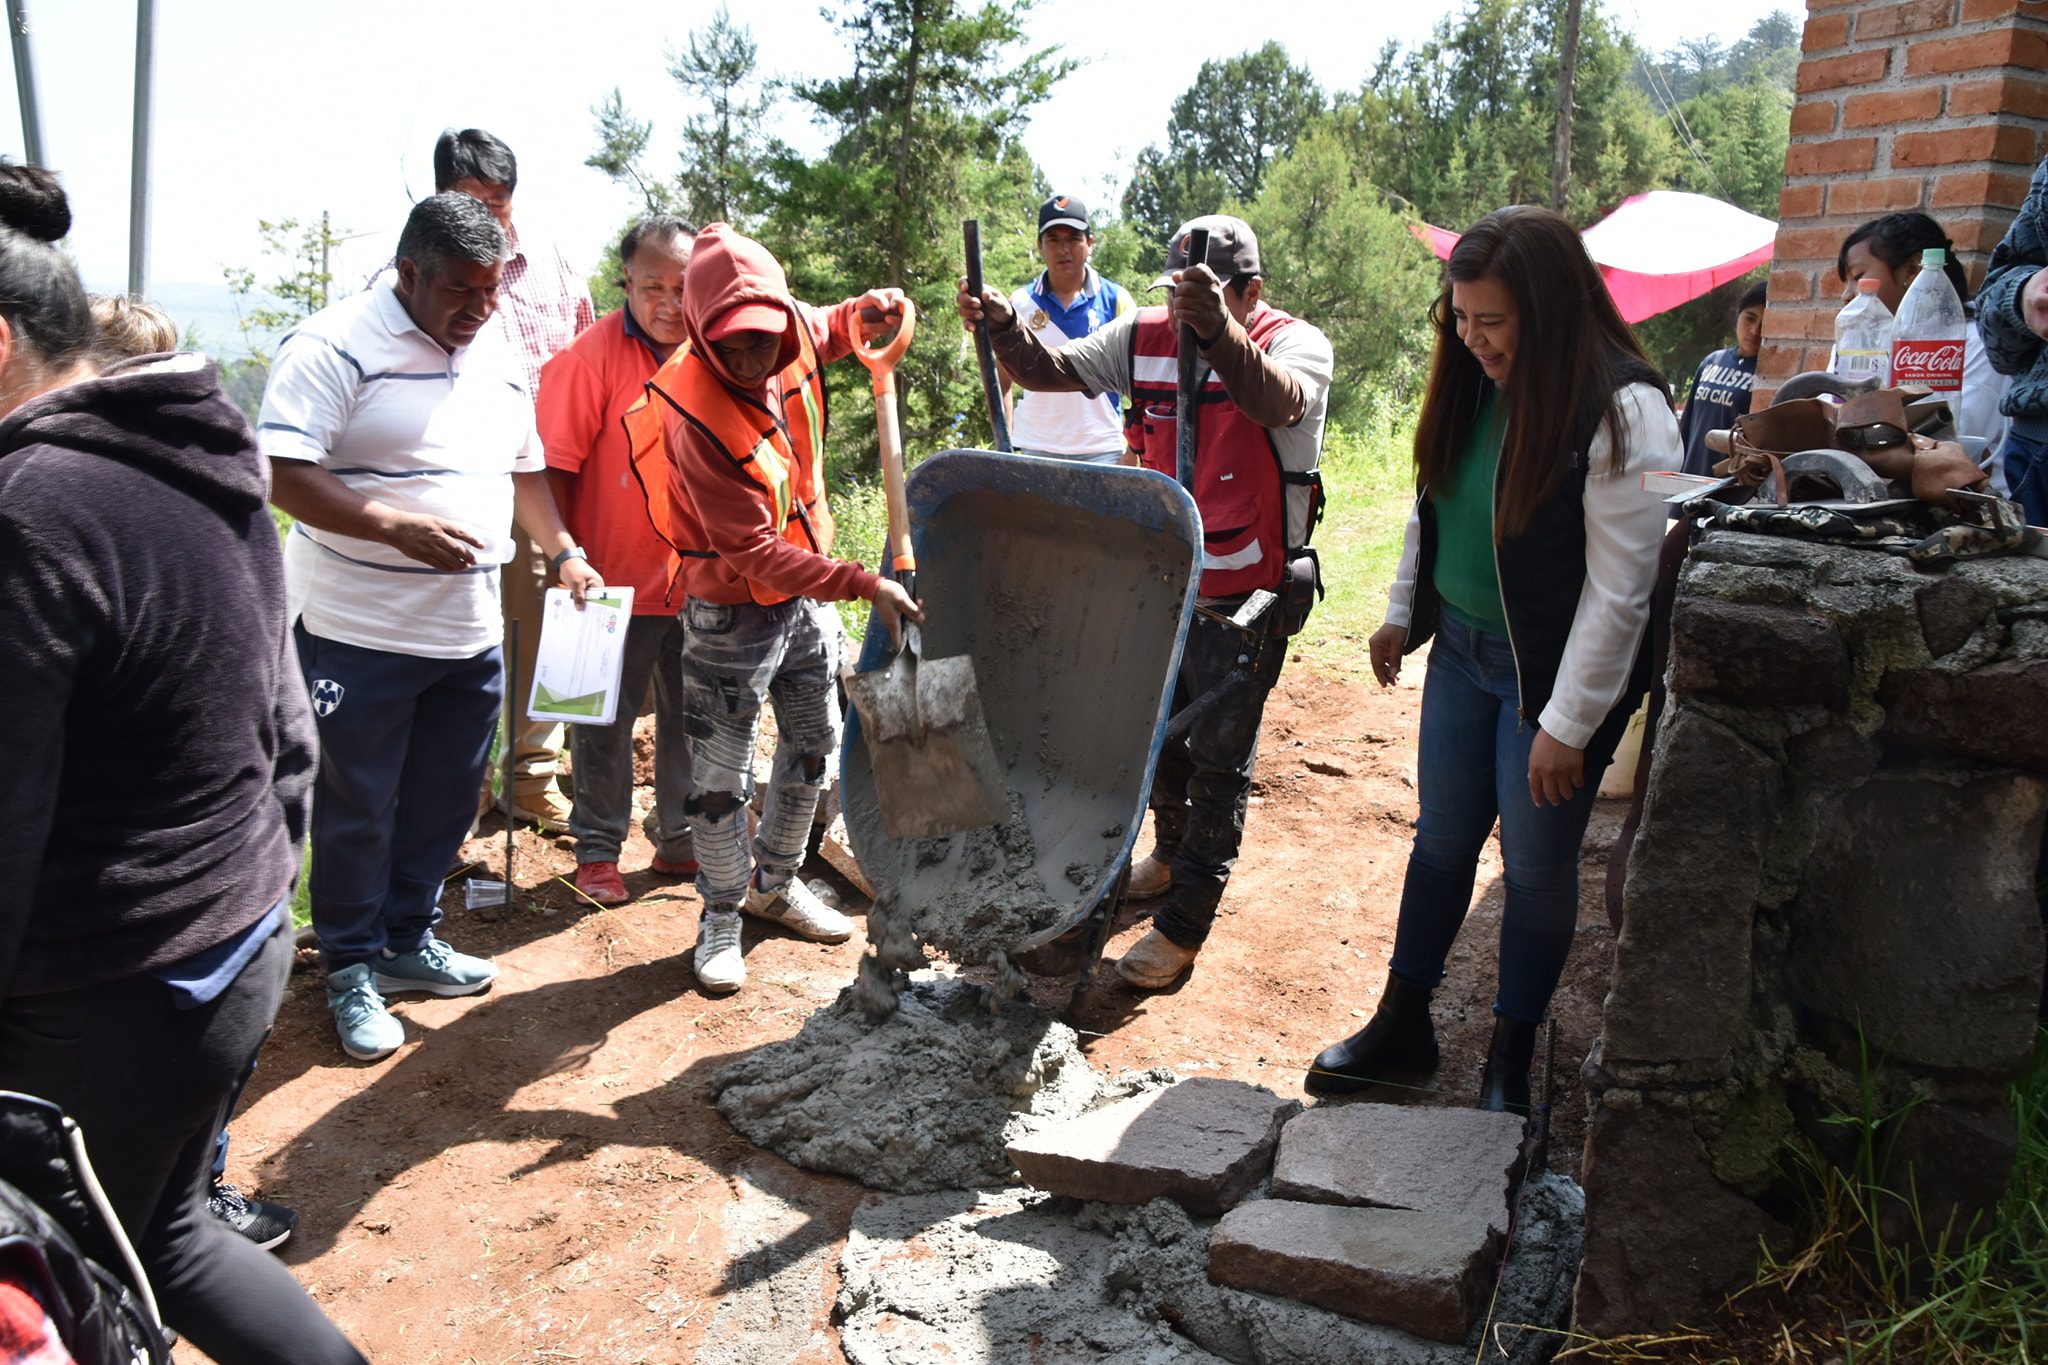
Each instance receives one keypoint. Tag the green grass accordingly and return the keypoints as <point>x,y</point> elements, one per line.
<point>1948,1294</point>
<point>1369,481</point>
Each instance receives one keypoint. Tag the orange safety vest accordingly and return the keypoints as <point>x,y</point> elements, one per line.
<point>781,450</point>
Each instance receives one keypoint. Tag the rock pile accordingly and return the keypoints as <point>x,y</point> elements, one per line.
<point>1833,884</point>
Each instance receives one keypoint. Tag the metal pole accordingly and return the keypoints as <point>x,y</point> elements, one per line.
<point>512,713</point>
<point>138,181</point>
<point>25,82</point>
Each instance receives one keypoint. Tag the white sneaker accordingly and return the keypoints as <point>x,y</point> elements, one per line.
<point>720,968</point>
<point>797,908</point>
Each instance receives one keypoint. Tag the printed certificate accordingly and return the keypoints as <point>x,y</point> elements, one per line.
<point>576,677</point>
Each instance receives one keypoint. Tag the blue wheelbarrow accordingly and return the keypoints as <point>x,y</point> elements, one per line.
<point>1070,586</point>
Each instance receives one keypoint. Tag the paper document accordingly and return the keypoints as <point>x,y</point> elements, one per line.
<point>576,676</point>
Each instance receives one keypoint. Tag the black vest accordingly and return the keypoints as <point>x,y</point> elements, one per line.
<point>1542,572</point>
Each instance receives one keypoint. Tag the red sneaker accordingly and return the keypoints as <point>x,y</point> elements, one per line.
<point>601,882</point>
<point>685,868</point>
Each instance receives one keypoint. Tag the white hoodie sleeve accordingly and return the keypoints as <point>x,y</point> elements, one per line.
<point>1625,526</point>
<point>1401,593</point>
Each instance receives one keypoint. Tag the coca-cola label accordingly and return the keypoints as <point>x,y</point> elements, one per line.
<point>1935,364</point>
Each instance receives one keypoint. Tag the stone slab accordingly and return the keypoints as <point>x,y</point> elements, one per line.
<point>1002,1277</point>
<point>1424,1273</point>
<point>1917,926</point>
<point>1398,1156</point>
<point>1204,1143</point>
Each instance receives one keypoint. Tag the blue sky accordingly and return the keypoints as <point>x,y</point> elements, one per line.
<point>280,108</point>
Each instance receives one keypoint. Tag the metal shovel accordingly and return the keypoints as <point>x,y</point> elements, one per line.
<point>927,738</point>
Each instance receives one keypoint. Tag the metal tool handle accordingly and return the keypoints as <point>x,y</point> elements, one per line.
<point>1187,392</point>
<point>984,350</point>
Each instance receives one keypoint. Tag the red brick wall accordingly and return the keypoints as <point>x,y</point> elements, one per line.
<point>1936,105</point>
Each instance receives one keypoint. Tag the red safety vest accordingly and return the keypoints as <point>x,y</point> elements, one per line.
<point>1238,484</point>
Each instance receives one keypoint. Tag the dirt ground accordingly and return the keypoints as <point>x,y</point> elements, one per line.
<point>538,1175</point>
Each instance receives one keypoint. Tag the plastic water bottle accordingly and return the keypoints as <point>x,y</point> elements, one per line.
<point>1928,347</point>
<point>1863,336</point>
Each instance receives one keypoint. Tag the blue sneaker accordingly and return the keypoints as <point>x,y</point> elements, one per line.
<point>368,1032</point>
<point>435,969</point>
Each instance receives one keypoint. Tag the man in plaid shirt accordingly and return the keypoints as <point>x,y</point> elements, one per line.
<point>542,305</point>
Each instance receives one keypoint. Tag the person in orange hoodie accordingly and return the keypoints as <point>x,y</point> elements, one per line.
<point>742,408</point>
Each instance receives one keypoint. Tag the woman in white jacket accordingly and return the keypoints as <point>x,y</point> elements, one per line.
<point>1530,558</point>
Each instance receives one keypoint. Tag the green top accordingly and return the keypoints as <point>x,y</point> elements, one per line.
<point>1465,574</point>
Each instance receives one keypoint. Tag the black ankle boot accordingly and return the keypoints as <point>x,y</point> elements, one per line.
<point>1399,1041</point>
<point>1505,1084</point>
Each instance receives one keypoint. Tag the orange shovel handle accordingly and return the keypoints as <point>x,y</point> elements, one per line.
<point>881,360</point>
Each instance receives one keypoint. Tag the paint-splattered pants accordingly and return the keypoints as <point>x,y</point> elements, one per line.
<point>734,657</point>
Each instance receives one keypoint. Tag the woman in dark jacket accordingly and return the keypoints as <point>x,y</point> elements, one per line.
<point>155,806</point>
<point>1530,558</point>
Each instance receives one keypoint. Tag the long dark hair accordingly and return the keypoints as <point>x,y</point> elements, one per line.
<point>1898,238</point>
<point>1573,355</point>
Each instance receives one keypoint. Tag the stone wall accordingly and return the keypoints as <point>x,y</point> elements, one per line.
<point>1936,105</point>
<point>1832,884</point>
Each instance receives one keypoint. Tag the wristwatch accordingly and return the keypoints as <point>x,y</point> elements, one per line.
<point>573,552</point>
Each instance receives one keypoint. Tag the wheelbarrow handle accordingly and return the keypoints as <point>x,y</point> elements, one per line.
<point>984,350</point>
<point>1187,395</point>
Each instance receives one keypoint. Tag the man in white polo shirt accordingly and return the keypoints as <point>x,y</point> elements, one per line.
<point>1066,302</point>
<point>405,453</point>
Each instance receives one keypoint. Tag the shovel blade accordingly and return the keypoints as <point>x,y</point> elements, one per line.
<point>927,738</point>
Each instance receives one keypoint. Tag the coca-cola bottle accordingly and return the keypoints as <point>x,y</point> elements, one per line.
<point>1927,348</point>
<point>1863,335</point>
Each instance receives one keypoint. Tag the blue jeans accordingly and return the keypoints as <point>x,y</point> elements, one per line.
<point>404,745</point>
<point>2026,474</point>
<point>1472,767</point>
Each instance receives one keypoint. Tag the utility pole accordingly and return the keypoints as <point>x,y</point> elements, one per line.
<point>1567,74</point>
<point>25,82</point>
<point>138,180</point>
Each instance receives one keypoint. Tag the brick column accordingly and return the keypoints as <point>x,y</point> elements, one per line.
<point>1935,105</point>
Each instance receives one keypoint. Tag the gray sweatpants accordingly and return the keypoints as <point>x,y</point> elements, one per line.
<point>734,657</point>
<point>603,754</point>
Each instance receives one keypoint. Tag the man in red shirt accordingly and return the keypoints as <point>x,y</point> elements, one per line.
<point>584,391</point>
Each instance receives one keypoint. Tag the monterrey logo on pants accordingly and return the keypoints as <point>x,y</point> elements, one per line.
<point>326,696</point>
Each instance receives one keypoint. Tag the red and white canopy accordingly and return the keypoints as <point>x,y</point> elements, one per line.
<point>1661,249</point>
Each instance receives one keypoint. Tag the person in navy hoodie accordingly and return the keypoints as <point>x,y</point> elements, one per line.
<point>156,808</point>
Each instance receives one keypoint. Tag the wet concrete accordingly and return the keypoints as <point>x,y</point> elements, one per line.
<point>978,1278</point>
<point>925,1098</point>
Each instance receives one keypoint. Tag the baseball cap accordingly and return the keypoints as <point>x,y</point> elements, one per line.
<point>1063,210</point>
<point>1233,248</point>
<point>748,317</point>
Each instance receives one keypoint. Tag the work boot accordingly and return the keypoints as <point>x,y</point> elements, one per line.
<point>547,809</point>
<point>720,967</point>
<point>1151,878</point>
<point>433,968</point>
<point>602,883</point>
<point>1504,1086</point>
<point>1155,962</point>
<point>367,1029</point>
<point>797,908</point>
<point>1399,1041</point>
